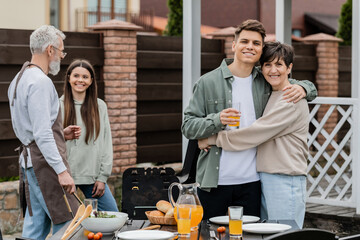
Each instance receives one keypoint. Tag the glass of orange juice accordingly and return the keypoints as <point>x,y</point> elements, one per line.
<point>196,213</point>
<point>235,221</point>
<point>183,221</point>
<point>237,106</point>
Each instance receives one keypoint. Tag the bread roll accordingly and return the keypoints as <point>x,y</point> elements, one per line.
<point>156,213</point>
<point>163,206</point>
<point>170,213</point>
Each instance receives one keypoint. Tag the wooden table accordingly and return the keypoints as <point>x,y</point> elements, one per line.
<point>202,234</point>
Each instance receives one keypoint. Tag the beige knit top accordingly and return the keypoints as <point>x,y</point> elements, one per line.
<point>280,134</point>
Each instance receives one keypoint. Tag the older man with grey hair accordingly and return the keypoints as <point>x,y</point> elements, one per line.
<point>46,186</point>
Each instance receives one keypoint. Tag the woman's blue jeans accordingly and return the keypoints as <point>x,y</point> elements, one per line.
<point>106,202</point>
<point>283,197</point>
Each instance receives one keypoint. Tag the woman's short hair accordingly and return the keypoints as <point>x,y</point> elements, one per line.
<point>44,36</point>
<point>277,50</point>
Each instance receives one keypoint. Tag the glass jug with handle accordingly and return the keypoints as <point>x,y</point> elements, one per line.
<point>188,198</point>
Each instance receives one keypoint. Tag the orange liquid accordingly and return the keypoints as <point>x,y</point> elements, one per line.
<point>235,125</point>
<point>86,232</point>
<point>235,227</point>
<point>183,226</point>
<point>196,213</point>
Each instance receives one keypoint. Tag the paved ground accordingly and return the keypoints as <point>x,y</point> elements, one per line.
<point>11,237</point>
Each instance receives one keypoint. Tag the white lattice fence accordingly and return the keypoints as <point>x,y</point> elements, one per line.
<point>331,168</point>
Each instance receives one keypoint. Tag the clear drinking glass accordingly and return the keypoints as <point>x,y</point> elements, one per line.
<point>235,221</point>
<point>237,106</point>
<point>93,202</point>
<point>183,221</point>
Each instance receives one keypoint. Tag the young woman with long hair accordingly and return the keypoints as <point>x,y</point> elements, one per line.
<point>91,156</point>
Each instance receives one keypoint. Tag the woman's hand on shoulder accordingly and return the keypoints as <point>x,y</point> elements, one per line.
<point>294,93</point>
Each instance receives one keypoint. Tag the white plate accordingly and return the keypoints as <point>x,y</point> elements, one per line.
<point>224,220</point>
<point>145,235</point>
<point>265,228</point>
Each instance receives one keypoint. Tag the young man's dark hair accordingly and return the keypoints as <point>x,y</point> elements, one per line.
<point>277,50</point>
<point>251,25</point>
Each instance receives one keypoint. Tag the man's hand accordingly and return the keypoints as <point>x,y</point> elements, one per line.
<point>99,189</point>
<point>294,93</point>
<point>67,182</point>
<point>72,132</point>
<point>227,113</point>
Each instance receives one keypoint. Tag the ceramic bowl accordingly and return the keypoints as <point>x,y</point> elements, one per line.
<point>105,225</point>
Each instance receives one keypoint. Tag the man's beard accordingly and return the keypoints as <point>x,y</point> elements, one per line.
<point>54,67</point>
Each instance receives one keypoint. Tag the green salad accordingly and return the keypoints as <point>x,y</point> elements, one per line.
<point>100,214</point>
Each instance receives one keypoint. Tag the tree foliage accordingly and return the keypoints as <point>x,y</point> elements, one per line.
<point>345,23</point>
<point>175,18</point>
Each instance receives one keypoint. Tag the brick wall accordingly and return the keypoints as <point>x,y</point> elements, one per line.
<point>228,46</point>
<point>120,82</point>
<point>10,213</point>
<point>327,76</point>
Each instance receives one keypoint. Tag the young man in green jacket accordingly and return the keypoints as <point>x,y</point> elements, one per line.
<point>230,178</point>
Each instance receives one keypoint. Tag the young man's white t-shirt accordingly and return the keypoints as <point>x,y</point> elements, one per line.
<point>240,167</point>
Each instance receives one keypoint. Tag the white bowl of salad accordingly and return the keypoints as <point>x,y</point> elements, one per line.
<point>105,221</point>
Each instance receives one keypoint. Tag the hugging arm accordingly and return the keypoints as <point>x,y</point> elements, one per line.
<point>299,90</point>
<point>274,124</point>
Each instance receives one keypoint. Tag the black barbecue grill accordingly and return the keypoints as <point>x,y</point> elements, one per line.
<point>143,188</point>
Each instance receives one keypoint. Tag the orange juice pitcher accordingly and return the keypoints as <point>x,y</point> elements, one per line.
<point>188,198</point>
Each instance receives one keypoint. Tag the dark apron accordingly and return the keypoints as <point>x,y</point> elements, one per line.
<point>46,176</point>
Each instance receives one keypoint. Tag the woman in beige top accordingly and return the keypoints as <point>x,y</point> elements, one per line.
<point>281,137</point>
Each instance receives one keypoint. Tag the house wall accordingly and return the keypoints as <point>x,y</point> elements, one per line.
<point>223,14</point>
<point>133,6</point>
<point>24,14</point>
<point>72,6</point>
<point>159,6</point>
<point>37,12</point>
<point>299,7</point>
<point>216,13</point>
<point>220,13</point>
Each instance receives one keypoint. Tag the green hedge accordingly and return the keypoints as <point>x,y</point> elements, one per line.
<point>175,18</point>
<point>6,179</point>
<point>345,23</point>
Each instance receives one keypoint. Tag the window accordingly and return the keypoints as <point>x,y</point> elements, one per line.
<point>54,13</point>
<point>296,32</point>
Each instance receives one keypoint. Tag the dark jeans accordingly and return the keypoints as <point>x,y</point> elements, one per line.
<point>217,201</point>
